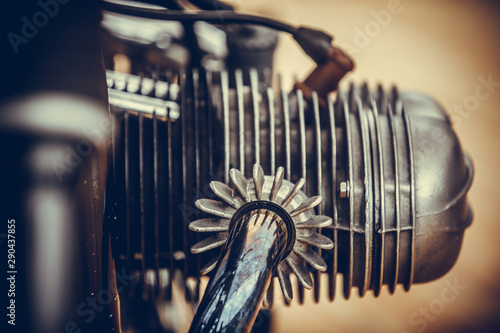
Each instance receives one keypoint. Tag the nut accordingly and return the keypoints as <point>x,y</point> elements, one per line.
<point>344,189</point>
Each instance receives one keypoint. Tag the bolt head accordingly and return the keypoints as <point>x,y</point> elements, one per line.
<point>344,189</point>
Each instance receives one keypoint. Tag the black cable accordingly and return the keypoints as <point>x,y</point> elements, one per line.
<point>213,17</point>
<point>211,5</point>
<point>315,43</point>
<point>167,4</point>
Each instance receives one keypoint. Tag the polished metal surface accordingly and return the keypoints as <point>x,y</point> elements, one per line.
<point>358,153</point>
<point>259,237</point>
<point>278,181</point>
<point>275,190</point>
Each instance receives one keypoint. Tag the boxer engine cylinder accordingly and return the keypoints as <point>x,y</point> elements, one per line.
<point>387,164</point>
<point>214,171</point>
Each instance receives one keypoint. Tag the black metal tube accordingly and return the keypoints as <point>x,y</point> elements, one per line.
<point>259,237</point>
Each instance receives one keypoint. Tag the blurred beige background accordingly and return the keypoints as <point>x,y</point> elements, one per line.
<point>441,48</point>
